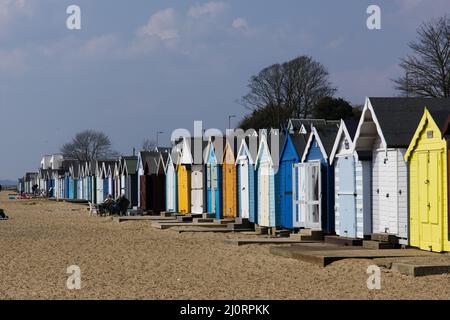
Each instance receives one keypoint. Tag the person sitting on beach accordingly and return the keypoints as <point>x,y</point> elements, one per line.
<point>121,205</point>
<point>107,204</point>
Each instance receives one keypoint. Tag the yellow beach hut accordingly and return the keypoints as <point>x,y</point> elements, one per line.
<point>229,180</point>
<point>428,183</point>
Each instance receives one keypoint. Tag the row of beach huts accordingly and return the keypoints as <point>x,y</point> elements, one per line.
<point>384,174</point>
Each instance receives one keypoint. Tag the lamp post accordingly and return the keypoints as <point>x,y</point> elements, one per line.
<point>229,120</point>
<point>157,137</point>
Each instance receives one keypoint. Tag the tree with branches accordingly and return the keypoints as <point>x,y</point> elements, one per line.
<point>89,145</point>
<point>288,90</point>
<point>427,69</point>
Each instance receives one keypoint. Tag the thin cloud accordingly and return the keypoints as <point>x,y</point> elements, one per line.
<point>161,25</point>
<point>239,23</point>
<point>208,9</point>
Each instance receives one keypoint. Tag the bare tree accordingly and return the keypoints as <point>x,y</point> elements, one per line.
<point>148,145</point>
<point>294,86</point>
<point>427,70</point>
<point>89,145</point>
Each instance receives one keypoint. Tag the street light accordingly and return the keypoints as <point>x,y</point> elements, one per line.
<point>229,120</point>
<point>157,137</point>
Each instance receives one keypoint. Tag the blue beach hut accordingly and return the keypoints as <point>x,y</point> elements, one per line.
<point>314,193</point>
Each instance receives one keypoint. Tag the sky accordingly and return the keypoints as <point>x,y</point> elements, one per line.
<point>139,67</point>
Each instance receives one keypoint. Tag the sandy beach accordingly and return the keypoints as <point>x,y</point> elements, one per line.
<point>134,261</point>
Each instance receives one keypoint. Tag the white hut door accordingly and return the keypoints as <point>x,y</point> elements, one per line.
<point>309,195</point>
<point>387,192</point>
<point>300,195</point>
<point>197,192</point>
<point>264,195</point>
<point>244,190</point>
<point>170,189</point>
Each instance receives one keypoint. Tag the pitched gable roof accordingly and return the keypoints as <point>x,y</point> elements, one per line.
<point>325,135</point>
<point>398,118</point>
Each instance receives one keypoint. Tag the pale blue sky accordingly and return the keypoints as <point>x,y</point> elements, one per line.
<point>140,66</point>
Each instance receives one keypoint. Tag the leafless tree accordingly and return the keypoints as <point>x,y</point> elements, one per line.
<point>148,145</point>
<point>427,69</point>
<point>294,86</point>
<point>89,145</point>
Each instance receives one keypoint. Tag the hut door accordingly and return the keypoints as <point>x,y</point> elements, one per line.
<point>264,195</point>
<point>170,189</point>
<point>309,195</point>
<point>244,190</point>
<point>197,192</point>
<point>346,196</point>
<point>430,201</point>
<point>214,189</point>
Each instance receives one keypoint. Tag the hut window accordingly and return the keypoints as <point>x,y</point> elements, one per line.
<point>430,134</point>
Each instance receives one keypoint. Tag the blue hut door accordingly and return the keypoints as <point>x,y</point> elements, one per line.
<point>214,191</point>
<point>244,190</point>
<point>286,204</point>
<point>346,197</point>
<point>211,185</point>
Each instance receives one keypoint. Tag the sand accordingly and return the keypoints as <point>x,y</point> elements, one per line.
<point>131,260</point>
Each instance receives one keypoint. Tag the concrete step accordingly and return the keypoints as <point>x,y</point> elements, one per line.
<point>260,230</point>
<point>343,241</point>
<point>244,221</point>
<point>384,237</point>
<point>203,220</point>
<point>166,214</point>
<point>371,244</point>
<point>187,218</point>
<point>308,235</point>
<point>224,221</point>
<point>239,227</point>
<point>283,233</point>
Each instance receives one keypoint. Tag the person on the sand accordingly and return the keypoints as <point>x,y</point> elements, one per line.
<point>107,204</point>
<point>121,205</point>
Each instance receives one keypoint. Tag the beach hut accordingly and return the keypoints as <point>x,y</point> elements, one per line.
<point>428,183</point>
<point>352,186</point>
<point>146,170</point>
<point>159,183</point>
<point>171,180</point>
<point>384,132</point>
<point>229,177</point>
<point>117,176</point>
<point>213,160</point>
<point>267,163</point>
<point>291,153</point>
<point>246,177</point>
<point>314,194</point>
<point>99,182</point>
<point>191,171</point>
<point>129,179</point>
